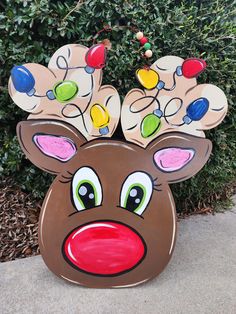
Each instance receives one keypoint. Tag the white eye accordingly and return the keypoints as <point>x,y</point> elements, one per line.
<point>136,192</point>
<point>86,189</point>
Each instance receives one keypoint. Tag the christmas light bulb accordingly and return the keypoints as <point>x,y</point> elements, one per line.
<point>95,58</point>
<point>64,91</point>
<point>191,68</point>
<point>150,125</point>
<point>100,118</point>
<point>196,110</point>
<point>23,80</point>
<point>148,78</point>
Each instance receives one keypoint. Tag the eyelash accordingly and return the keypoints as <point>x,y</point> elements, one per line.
<point>70,176</point>
<point>67,179</point>
<point>156,186</point>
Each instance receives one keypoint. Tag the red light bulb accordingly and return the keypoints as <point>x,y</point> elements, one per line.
<point>96,56</point>
<point>193,67</point>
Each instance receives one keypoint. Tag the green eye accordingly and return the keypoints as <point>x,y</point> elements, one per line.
<point>86,189</point>
<point>136,192</point>
<point>86,194</point>
<point>135,197</point>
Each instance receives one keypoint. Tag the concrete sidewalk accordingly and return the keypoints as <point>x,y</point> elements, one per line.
<point>201,278</point>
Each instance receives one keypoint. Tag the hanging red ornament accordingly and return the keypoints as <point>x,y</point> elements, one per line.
<point>192,67</point>
<point>96,56</point>
<point>143,41</point>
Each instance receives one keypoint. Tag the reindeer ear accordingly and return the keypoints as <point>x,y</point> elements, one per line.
<point>179,156</point>
<point>49,144</point>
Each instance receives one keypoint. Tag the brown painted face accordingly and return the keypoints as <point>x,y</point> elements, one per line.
<point>108,219</point>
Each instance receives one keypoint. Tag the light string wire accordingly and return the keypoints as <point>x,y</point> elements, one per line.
<point>154,98</point>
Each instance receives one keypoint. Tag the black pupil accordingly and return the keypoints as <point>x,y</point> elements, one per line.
<point>87,195</point>
<point>134,198</point>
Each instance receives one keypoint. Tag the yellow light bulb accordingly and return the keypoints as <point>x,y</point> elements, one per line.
<point>100,118</point>
<point>148,78</point>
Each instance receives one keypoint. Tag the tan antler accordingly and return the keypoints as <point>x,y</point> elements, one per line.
<point>171,102</point>
<point>69,89</point>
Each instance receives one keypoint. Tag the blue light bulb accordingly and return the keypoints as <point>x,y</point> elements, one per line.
<point>23,80</point>
<point>196,110</point>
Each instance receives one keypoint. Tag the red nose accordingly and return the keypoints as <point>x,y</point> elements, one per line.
<point>104,248</point>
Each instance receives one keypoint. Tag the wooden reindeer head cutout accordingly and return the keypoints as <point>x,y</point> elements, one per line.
<point>108,219</point>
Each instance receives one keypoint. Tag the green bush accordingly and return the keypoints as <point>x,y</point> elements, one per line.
<point>32,30</point>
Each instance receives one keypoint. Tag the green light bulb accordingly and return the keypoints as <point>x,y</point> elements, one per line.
<point>65,91</point>
<point>150,125</point>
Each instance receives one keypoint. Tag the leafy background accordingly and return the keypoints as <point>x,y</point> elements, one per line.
<point>32,30</point>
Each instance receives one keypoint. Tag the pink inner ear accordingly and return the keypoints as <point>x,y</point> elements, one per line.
<point>173,159</point>
<point>58,147</point>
